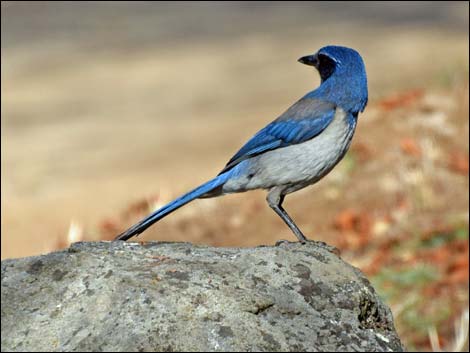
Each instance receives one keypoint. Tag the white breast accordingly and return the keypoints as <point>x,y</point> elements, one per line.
<point>301,164</point>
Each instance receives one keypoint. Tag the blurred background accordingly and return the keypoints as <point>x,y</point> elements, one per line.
<point>109,110</point>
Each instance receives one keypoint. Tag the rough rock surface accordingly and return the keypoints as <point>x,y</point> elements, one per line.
<point>116,296</point>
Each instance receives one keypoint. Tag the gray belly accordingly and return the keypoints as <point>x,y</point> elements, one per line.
<point>298,165</point>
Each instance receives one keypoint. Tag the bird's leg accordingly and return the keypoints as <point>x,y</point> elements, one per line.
<point>275,201</point>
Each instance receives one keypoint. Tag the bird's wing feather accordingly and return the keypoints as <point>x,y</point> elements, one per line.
<point>301,122</point>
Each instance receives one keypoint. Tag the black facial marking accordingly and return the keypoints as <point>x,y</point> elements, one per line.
<point>326,66</point>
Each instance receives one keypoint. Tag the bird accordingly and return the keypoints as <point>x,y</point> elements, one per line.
<point>298,148</point>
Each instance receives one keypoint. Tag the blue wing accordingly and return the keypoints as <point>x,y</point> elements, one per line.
<point>301,122</point>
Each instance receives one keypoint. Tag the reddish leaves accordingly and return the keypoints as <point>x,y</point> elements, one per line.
<point>356,227</point>
<point>457,266</point>
<point>400,100</point>
<point>410,147</point>
<point>458,162</point>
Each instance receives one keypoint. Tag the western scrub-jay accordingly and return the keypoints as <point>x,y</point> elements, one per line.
<point>298,148</point>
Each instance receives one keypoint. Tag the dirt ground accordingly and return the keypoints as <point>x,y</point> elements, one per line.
<point>109,111</point>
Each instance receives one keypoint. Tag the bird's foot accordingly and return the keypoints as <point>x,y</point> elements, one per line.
<point>282,242</point>
<point>287,242</point>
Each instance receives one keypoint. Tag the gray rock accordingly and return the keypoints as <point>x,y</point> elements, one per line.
<point>116,296</point>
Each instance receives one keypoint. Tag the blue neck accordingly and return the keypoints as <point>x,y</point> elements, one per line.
<point>346,91</point>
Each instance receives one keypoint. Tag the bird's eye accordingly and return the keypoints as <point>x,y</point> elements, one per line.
<point>326,66</point>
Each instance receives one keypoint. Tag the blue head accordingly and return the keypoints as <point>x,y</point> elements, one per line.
<point>343,77</point>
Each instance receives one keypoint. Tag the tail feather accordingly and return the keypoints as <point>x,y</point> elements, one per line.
<point>173,205</point>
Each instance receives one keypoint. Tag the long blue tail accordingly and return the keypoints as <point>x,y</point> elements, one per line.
<point>174,205</point>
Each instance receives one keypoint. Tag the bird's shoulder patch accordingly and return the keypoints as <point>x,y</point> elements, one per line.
<point>307,108</point>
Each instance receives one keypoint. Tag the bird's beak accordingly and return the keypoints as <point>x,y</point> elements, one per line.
<point>310,60</point>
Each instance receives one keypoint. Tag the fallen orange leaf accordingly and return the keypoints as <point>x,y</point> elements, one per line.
<point>410,147</point>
